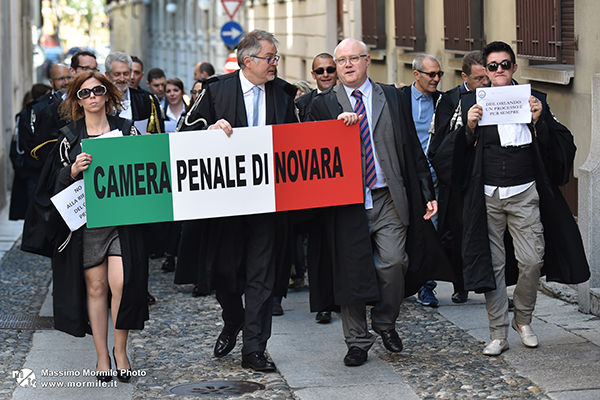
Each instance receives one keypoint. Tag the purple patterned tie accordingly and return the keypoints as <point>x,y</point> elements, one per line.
<point>359,108</point>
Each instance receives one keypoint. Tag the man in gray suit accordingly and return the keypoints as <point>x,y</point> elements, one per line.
<point>397,179</point>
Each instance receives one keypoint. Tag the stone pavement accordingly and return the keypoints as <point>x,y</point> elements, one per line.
<point>441,358</point>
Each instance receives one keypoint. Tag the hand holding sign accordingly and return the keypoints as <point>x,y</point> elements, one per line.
<point>504,104</point>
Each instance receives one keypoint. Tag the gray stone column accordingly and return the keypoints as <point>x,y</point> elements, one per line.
<point>589,218</point>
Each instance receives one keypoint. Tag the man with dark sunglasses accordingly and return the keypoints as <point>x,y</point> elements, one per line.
<point>424,97</point>
<point>447,118</point>
<point>325,74</point>
<point>510,174</point>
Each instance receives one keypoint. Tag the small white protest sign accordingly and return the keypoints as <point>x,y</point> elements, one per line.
<point>70,204</point>
<point>504,104</point>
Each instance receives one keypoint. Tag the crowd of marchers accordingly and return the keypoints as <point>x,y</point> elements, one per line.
<point>445,199</point>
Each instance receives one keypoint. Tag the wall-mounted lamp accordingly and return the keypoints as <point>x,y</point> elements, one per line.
<point>204,5</point>
<point>171,8</point>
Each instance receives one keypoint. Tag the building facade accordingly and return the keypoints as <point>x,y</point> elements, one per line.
<point>16,74</point>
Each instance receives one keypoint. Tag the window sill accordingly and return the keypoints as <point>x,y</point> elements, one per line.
<point>559,74</point>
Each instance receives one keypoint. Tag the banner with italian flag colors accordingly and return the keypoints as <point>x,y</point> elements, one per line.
<point>205,174</point>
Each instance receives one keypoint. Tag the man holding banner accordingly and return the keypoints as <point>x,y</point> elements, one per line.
<point>243,258</point>
<point>399,199</point>
<point>510,172</point>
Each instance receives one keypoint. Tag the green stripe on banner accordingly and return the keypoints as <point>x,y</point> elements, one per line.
<point>125,185</point>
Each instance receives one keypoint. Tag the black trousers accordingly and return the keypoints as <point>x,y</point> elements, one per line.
<point>254,238</point>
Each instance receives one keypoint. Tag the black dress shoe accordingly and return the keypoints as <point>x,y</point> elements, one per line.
<point>258,362</point>
<point>196,292</point>
<point>169,264</point>
<point>123,375</point>
<point>391,340</point>
<point>151,299</point>
<point>323,317</point>
<point>226,341</point>
<point>460,297</point>
<point>104,376</point>
<point>277,309</point>
<point>355,357</point>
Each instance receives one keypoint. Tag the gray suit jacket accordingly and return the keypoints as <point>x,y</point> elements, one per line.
<point>385,146</point>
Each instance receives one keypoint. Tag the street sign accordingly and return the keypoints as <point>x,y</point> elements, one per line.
<point>231,33</point>
<point>231,6</point>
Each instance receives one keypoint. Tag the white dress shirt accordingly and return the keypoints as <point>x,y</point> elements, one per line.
<point>248,100</point>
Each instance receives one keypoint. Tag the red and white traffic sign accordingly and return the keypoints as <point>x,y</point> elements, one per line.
<point>231,6</point>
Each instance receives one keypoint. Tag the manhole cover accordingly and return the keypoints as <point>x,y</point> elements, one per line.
<point>23,322</point>
<point>215,388</point>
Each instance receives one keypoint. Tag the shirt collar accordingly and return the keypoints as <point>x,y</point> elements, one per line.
<point>417,95</point>
<point>366,89</point>
<point>247,85</point>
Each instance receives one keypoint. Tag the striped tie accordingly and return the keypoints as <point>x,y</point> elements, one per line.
<point>359,108</point>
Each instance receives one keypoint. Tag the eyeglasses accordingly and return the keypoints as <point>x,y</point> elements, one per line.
<point>269,60</point>
<point>352,59</point>
<point>482,78</point>
<point>62,78</point>
<point>86,68</point>
<point>194,92</point>
<point>99,90</point>
<point>432,75</point>
<point>493,66</point>
<point>321,71</point>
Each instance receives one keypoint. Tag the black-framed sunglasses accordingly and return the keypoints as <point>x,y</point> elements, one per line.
<point>432,75</point>
<point>493,66</point>
<point>321,71</point>
<point>194,92</point>
<point>99,90</point>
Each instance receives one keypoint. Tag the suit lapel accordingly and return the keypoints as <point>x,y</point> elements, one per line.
<point>273,108</point>
<point>342,98</point>
<point>377,104</point>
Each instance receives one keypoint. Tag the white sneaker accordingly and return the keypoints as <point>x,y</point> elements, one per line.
<point>528,336</point>
<point>496,347</point>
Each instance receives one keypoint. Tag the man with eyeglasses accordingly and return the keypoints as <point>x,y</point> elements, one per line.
<point>60,77</point>
<point>138,105</point>
<point>324,73</point>
<point>243,255</point>
<point>363,249</point>
<point>447,118</point>
<point>82,61</point>
<point>424,97</point>
<point>510,174</point>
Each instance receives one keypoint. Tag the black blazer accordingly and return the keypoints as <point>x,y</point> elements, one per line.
<point>222,98</point>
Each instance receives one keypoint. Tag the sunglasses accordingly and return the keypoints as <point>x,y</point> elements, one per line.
<point>194,92</point>
<point>493,66</point>
<point>432,75</point>
<point>99,90</point>
<point>321,71</point>
<point>481,78</point>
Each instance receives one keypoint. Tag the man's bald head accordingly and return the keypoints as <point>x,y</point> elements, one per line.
<point>59,77</point>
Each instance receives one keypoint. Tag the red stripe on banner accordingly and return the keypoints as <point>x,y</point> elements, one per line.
<point>317,164</point>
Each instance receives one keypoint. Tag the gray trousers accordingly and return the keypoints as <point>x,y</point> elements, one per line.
<point>388,234</point>
<point>521,213</point>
